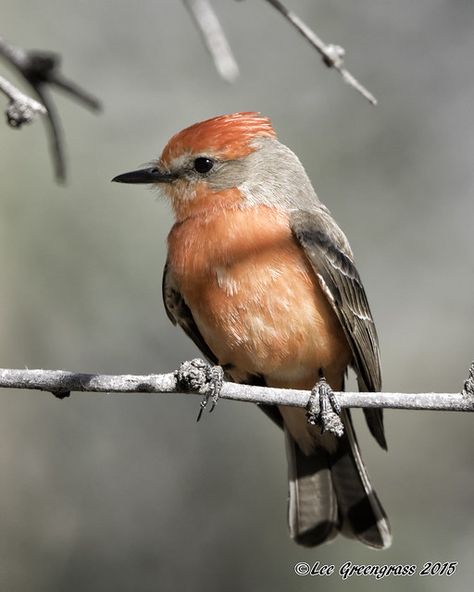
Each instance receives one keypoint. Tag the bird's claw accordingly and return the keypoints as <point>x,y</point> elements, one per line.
<point>468,390</point>
<point>197,376</point>
<point>324,410</point>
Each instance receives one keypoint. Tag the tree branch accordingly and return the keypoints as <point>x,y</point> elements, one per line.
<point>214,37</point>
<point>208,24</point>
<point>21,108</point>
<point>41,69</point>
<point>61,383</point>
<point>332,54</point>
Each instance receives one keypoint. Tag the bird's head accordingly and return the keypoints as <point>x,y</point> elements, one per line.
<point>225,161</point>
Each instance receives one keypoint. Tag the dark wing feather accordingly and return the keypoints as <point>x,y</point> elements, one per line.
<point>330,256</point>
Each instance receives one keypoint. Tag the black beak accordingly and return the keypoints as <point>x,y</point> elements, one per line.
<point>149,175</point>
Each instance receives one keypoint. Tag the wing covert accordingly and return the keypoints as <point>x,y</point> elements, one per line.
<point>330,256</point>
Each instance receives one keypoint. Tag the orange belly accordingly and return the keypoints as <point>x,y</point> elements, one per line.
<point>255,298</point>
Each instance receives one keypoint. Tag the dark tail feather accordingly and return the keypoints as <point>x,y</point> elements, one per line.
<point>361,513</point>
<point>312,505</point>
<point>331,492</point>
<point>374,419</point>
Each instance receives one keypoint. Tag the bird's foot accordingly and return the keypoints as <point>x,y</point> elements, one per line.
<point>197,376</point>
<point>468,390</point>
<point>324,410</point>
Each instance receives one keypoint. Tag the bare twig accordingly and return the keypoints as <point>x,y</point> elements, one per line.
<point>21,108</point>
<point>214,38</point>
<point>332,54</point>
<point>61,383</point>
<point>55,135</point>
<point>216,42</point>
<point>42,69</point>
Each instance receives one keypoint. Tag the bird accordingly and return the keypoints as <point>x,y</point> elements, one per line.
<point>262,279</point>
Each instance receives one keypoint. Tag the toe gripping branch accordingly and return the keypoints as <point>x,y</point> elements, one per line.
<point>468,390</point>
<point>324,410</point>
<point>197,376</point>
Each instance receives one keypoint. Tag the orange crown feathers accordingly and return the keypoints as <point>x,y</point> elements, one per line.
<point>227,136</point>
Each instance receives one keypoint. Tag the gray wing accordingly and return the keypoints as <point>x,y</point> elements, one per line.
<point>330,256</point>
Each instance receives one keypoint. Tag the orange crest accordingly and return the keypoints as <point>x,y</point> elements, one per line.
<point>226,136</point>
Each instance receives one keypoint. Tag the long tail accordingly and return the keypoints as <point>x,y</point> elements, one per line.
<point>330,492</point>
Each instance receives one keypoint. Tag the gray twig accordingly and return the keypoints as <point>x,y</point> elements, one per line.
<point>332,54</point>
<point>41,70</point>
<point>214,38</point>
<point>61,383</point>
<point>21,108</point>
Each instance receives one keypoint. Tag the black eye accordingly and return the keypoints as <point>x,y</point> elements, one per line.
<point>203,165</point>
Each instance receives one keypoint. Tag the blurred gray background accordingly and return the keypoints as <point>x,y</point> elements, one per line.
<point>127,492</point>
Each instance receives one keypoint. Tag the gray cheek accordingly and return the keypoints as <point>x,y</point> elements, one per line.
<point>228,174</point>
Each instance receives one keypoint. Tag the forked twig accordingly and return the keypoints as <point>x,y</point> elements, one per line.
<point>41,70</point>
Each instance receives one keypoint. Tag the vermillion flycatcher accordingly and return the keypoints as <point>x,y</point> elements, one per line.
<point>263,280</point>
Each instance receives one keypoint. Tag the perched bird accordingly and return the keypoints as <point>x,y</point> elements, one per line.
<point>263,280</point>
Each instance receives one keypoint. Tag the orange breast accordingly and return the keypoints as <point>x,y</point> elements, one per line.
<point>255,298</point>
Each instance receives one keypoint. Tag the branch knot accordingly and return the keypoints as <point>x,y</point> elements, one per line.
<point>21,111</point>
<point>334,56</point>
